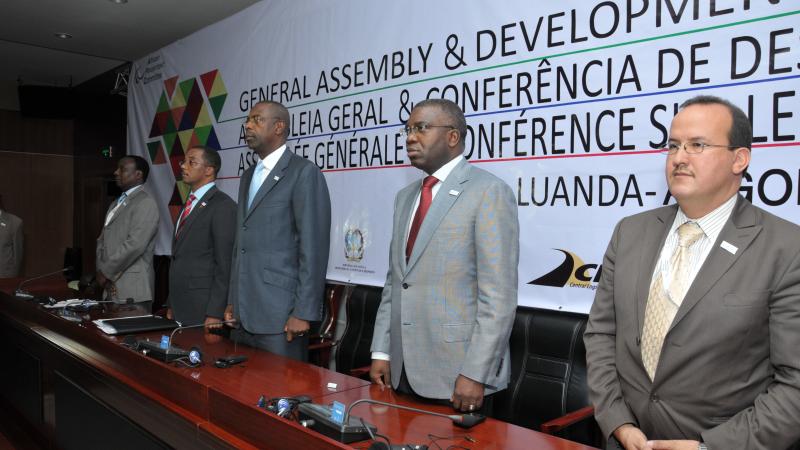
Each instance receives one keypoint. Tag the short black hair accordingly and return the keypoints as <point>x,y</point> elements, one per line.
<point>210,157</point>
<point>141,165</point>
<point>452,111</point>
<point>280,112</point>
<point>741,132</point>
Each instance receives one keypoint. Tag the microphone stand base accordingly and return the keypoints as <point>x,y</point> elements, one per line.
<point>354,431</point>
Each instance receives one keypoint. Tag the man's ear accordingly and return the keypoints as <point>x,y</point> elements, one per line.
<point>741,160</point>
<point>453,138</point>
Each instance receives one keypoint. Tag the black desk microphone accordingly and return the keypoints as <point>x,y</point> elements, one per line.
<point>27,295</point>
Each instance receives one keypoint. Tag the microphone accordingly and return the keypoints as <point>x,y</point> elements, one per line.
<point>284,407</point>
<point>27,295</point>
<point>86,305</point>
<point>184,327</point>
<point>459,420</point>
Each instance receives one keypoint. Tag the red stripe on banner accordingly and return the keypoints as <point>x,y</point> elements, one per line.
<point>530,158</point>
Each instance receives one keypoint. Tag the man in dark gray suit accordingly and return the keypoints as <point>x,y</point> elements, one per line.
<point>203,241</point>
<point>125,246</point>
<point>451,290</point>
<point>693,337</point>
<point>280,256</point>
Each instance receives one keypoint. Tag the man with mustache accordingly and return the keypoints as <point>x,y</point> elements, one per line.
<point>450,296</point>
<point>280,255</point>
<point>125,246</point>
<point>692,341</point>
<point>202,244</point>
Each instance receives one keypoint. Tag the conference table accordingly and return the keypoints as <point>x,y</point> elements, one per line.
<point>70,385</point>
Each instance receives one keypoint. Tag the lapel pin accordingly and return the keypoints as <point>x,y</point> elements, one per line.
<point>202,204</point>
<point>454,192</point>
<point>276,178</point>
<point>2,223</point>
<point>729,247</point>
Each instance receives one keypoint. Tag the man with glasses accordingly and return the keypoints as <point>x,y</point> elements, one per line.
<point>202,244</point>
<point>693,337</point>
<point>124,256</point>
<point>450,296</point>
<point>280,256</point>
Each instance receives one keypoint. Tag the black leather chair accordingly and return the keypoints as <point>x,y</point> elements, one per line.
<point>548,389</point>
<point>321,340</point>
<point>352,353</point>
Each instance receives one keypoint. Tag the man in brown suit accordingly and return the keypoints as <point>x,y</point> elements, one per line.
<point>693,337</point>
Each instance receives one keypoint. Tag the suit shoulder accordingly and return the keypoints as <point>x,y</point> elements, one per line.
<point>777,225</point>
<point>487,180</point>
<point>648,215</point>
<point>484,176</point>
<point>144,198</point>
<point>302,163</point>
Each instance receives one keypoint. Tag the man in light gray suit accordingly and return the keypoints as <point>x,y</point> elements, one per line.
<point>10,244</point>
<point>451,290</point>
<point>693,337</point>
<point>200,269</point>
<point>280,255</point>
<point>125,246</point>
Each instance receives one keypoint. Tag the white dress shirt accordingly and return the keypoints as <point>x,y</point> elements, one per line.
<point>711,224</point>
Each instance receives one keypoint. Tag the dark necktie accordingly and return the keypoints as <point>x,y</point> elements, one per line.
<point>425,198</point>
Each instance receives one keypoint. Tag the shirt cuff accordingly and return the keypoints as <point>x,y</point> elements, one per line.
<point>380,355</point>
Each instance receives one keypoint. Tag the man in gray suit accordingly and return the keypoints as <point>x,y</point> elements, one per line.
<point>125,246</point>
<point>202,244</point>
<point>693,337</point>
<point>451,290</point>
<point>280,255</point>
<point>10,244</point>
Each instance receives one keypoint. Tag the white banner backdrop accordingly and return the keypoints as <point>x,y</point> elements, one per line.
<point>567,101</point>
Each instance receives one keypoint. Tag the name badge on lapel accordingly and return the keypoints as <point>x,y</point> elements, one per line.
<point>729,247</point>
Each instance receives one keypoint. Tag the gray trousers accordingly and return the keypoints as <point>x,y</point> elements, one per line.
<point>274,343</point>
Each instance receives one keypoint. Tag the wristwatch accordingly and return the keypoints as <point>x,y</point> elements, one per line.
<point>702,446</point>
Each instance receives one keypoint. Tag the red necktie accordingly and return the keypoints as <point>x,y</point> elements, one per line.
<point>186,210</point>
<point>425,198</point>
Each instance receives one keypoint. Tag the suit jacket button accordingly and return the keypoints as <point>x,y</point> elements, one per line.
<point>244,227</point>
<point>405,285</point>
<point>654,398</point>
<point>243,251</point>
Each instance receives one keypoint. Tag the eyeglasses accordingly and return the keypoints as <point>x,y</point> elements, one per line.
<point>257,120</point>
<point>191,162</point>
<point>421,128</point>
<point>692,148</point>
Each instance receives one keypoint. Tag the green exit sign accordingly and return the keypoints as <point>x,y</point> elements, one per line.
<point>107,152</point>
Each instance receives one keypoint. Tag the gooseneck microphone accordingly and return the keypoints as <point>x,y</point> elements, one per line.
<point>184,327</point>
<point>459,420</point>
<point>27,295</point>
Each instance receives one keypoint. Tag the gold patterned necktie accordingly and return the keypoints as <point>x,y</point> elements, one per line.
<point>662,305</point>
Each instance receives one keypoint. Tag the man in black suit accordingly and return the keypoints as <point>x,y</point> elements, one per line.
<point>202,244</point>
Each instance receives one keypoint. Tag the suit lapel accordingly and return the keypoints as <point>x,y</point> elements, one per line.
<point>652,244</point>
<point>125,203</point>
<point>244,188</point>
<point>439,208</point>
<point>740,230</point>
<point>273,178</point>
<point>198,209</point>
<point>403,224</point>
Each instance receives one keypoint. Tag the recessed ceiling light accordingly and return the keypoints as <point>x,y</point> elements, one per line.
<point>119,2</point>
<point>63,35</point>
